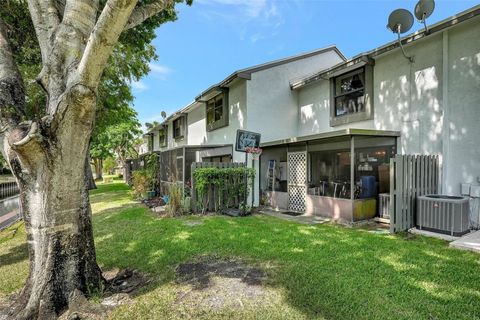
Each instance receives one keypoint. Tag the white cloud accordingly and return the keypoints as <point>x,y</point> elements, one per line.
<point>252,8</point>
<point>264,10</point>
<point>159,71</point>
<point>241,15</point>
<point>256,37</point>
<point>139,86</point>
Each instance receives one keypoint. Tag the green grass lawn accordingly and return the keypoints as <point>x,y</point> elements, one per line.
<point>314,272</point>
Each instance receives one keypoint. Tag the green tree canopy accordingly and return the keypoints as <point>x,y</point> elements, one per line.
<point>128,62</point>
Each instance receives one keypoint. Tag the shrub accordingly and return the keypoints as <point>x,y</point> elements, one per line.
<point>229,182</point>
<point>175,198</point>
<point>152,169</point>
<point>140,183</point>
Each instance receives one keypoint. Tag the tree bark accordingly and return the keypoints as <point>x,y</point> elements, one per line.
<point>48,156</point>
<point>57,213</point>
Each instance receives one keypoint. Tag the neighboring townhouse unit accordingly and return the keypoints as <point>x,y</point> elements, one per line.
<point>336,123</point>
<point>353,117</point>
<point>255,99</point>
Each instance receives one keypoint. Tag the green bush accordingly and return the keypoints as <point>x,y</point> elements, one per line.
<point>140,183</point>
<point>175,201</point>
<point>152,169</point>
<point>230,183</point>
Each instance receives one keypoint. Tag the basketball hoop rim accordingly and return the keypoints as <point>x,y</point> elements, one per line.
<point>255,152</point>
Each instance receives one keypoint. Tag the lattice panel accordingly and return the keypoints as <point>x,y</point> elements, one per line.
<point>297,168</point>
<point>296,198</point>
<point>297,181</point>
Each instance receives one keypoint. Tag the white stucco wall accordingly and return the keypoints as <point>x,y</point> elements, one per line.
<point>410,98</point>
<point>173,143</point>
<point>196,120</point>
<point>462,156</point>
<point>272,106</point>
<point>197,133</point>
<point>155,141</point>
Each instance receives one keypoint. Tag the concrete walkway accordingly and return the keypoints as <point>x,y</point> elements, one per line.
<point>305,219</point>
<point>470,242</point>
<point>8,219</point>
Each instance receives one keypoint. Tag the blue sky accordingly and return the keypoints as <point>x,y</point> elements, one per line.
<point>213,38</point>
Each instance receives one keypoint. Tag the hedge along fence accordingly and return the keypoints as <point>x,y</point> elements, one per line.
<point>218,186</point>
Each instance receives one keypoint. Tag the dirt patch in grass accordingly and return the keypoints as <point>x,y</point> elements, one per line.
<point>213,283</point>
<point>121,287</point>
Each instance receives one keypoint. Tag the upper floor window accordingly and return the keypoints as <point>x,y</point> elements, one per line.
<point>217,112</point>
<point>350,93</point>
<point>179,127</point>
<point>162,136</point>
<point>351,96</point>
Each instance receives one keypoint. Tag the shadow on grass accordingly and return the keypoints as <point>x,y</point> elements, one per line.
<point>326,271</point>
<point>14,255</point>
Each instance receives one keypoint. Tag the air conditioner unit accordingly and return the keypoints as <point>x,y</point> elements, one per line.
<point>384,205</point>
<point>443,214</point>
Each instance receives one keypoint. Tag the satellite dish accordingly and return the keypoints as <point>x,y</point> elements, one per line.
<point>423,10</point>
<point>400,21</point>
<point>163,114</point>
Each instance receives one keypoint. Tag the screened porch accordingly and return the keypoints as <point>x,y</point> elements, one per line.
<point>341,175</point>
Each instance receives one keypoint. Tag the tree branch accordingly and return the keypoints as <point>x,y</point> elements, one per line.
<point>103,39</point>
<point>27,143</point>
<point>81,14</point>
<point>45,18</point>
<point>142,13</point>
<point>12,94</point>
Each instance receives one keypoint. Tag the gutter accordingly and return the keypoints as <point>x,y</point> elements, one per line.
<point>332,134</point>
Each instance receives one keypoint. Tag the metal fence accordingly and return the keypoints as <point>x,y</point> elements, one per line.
<point>411,176</point>
<point>8,189</point>
<point>208,201</point>
<point>9,204</point>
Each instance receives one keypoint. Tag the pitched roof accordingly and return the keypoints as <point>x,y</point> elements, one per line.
<point>247,72</point>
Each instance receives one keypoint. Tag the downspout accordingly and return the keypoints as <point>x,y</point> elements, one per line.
<point>446,115</point>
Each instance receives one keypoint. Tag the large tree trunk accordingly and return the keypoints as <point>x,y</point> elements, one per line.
<point>57,212</point>
<point>47,155</point>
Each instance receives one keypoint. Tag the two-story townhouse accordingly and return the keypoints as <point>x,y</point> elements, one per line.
<point>256,99</point>
<point>353,117</point>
